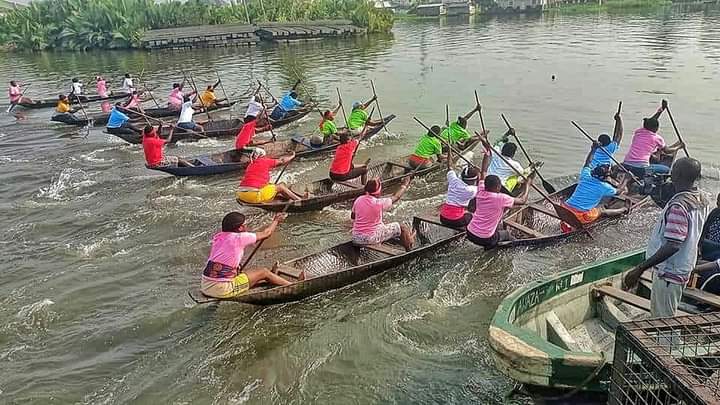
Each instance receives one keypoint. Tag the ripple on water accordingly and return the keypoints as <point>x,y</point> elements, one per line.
<point>66,185</point>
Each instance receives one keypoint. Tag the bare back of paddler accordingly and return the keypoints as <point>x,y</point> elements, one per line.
<point>222,277</point>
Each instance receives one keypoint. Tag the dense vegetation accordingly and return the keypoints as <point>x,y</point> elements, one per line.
<point>113,24</point>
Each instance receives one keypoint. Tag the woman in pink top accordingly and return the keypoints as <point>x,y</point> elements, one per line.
<point>490,203</point>
<point>134,102</point>
<point>175,99</point>
<point>16,94</point>
<point>367,213</point>
<point>101,87</point>
<point>222,277</point>
<point>647,142</point>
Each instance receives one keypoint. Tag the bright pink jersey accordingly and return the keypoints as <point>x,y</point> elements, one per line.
<point>228,247</point>
<point>644,144</point>
<point>489,209</point>
<point>369,213</point>
<point>134,101</point>
<point>14,93</point>
<point>101,88</point>
<point>175,99</point>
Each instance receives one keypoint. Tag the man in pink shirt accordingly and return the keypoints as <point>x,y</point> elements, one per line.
<point>222,277</point>
<point>367,215</point>
<point>645,143</point>
<point>490,203</point>
<point>175,99</point>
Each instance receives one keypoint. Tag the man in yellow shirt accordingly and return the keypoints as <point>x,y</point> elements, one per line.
<point>64,112</point>
<point>209,99</point>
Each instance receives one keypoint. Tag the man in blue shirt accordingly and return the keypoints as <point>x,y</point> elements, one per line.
<point>602,158</point>
<point>593,186</point>
<point>288,103</point>
<point>119,122</point>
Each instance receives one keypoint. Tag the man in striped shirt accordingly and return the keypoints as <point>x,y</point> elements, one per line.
<point>673,246</point>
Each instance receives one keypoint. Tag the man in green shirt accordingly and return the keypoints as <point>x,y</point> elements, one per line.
<point>428,147</point>
<point>457,134</point>
<point>328,128</point>
<point>359,117</point>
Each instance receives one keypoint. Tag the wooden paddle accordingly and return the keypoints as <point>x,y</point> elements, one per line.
<point>82,107</point>
<point>267,117</point>
<point>546,185</point>
<point>479,108</point>
<point>377,102</point>
<point>306,91</point>
<point>672,121</point>
<point>447,125</point>
<point>563,213</point>
<point>347,124</point>
<point>606,152</point>
<point>22,94</point>
<point>257,247</point>
<point>147,117</point>
<point>197,94</point>
<point>222,87</point>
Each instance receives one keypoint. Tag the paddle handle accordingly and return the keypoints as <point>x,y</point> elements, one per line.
<point>672,121</point>
<point>22,94</point>
<point>482,120</point>
<point>222,87</point>
<point>619,106</point>
<point>277,179</point>
<point>377,102</point>
<point>302,84</point>
<point>267,117</point>
<point>342,106</point>
<point>257,247</point>
<point>606,152</point>
<point>202,103</point>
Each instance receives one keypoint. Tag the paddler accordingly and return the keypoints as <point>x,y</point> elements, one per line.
<point>288,103</point>
<point>610,145</point>
<point>246,134</point>
<point>209,99</point>
<point>134,102</point>
<point>710,238</point>
<point>360,118</point>
<point>16,94</point>
<point>428,147</point>
<point>185,121</point>
<point>498,167</point>
<point>459,204</point>
<point>593,186</point>
<point>673,245</point>
<point>484,228</point>
<point>222,277</point>
<point>255,186</point>
<point>367,216</point>
<point>154,149</point>
<point>457,134</point>
<point>328,128</point>
<point>342,167</point>
<point>127,84</point>
<point>254,108</point>
<point>645,143</point>
<point>63,111</point>
<point>77,88</point>
<point>101,87</point>
<point>176,96</point>
<point>119,122</point>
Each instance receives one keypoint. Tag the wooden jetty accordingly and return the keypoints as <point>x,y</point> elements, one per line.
<point>228,35</point>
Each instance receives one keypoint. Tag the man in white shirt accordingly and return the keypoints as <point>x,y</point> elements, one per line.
<point>254,108</point>
<point>76,88</point>
<point>186,116</point>
<point>127,84</point>
<point>508,176</point>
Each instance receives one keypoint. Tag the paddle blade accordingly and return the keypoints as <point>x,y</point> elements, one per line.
<point>548,187</point>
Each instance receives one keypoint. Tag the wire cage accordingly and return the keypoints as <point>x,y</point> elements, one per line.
<point>667,361</point>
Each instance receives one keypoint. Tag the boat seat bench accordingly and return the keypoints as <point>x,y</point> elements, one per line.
<point>558,334</point>
<point>524,229</point>
<point>627,297</point>
<point>289,271</point>
<point>383,249</point>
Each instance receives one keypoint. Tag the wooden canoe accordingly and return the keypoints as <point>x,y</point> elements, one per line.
<point>233,161</point>
<point>537,223</point>
<point>326,191</point>
<point>213,129</point>
<point>52,102</point>
<point>559,332</point>
<point>302,147</point>
<point>342,265</point>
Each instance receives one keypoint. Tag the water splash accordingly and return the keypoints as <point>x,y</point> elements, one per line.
<point>70,180</point>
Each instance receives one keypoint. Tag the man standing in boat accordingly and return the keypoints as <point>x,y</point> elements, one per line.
<point>673,246</point>
<point>222,277</point>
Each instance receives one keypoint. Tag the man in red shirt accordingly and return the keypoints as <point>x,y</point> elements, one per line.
<point>247,132</point>
<point>255,186</point>
<point>342,167</point>
<point>154,148</point>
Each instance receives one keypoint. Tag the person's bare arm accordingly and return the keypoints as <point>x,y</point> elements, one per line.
<point>666,251</point>
<point>487,155</point>
<point>523,198</point>
<point>618,130</point>
<point>265,233</point>
<point>589,157</point>
<point>663,107</point>
<point>286,159</point>
<point>403,188</point>
<point>470,114</point>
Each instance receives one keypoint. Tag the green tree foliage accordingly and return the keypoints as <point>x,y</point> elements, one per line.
<point>114,24</point>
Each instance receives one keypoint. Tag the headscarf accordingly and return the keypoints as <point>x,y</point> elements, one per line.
<point>257,153</point>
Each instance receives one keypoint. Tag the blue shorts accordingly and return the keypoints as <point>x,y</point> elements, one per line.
<point>187,125</point>
<point>278,113</point>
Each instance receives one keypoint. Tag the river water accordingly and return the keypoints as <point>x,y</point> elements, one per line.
<point>100,251</point>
